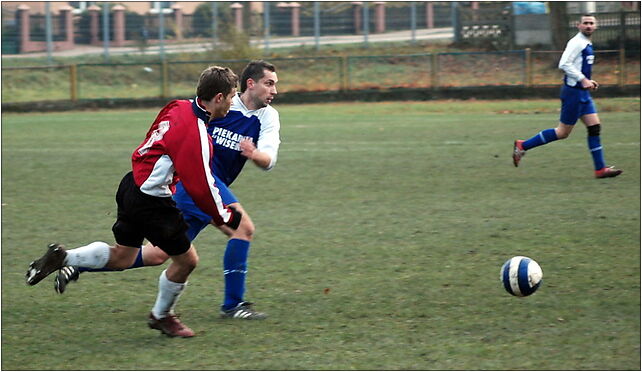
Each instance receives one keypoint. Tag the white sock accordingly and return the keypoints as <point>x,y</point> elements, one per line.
<point>168,293</point>
<point>94,255</point>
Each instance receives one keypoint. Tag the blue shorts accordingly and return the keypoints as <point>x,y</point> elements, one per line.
<point>195,218</point>
<point>575,104</point>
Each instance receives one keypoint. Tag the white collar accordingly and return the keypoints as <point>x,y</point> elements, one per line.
<point>198,104</point>
<point>584,37</point>
<point>241,104</point>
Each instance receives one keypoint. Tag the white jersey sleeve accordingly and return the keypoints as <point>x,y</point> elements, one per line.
<point>571,60</point>
<point>269,139</point>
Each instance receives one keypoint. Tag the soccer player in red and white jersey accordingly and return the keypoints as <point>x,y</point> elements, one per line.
<point>250,120</point>
<point>176,146</point>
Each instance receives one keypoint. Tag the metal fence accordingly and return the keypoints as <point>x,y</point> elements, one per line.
<point>616,30</point>
<point>10,32</point>
<point>38,27</point>
<point>499,27</point>
<point>211,20</point>
<point>431,70</point>
<point>491,24</point>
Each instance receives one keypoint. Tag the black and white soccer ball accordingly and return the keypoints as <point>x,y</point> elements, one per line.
<point>521,276</point>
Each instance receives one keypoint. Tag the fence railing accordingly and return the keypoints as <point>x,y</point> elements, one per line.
<point>431,70</point>
<point>617,30</point>
<point>113,25</point>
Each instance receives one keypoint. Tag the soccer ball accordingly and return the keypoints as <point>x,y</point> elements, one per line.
<point>521,276</point>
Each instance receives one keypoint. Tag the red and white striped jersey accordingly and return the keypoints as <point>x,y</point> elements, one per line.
<point>177,146</point>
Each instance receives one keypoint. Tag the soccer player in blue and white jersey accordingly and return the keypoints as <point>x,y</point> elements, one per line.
<point>251,120</point>
<point>577,103</point>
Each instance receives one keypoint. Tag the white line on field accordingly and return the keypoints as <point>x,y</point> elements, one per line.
<point>370,146</point>
<point>317,146</point>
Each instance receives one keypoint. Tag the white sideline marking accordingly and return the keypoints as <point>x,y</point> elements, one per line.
<point>320,146</point>
<point>383,146</point>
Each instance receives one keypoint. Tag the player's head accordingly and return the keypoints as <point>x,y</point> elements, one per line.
<point>587,24</point>
<point>216,87</point>
<point>258,83</point>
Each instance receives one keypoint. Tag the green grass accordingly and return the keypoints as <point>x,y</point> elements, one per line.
<point>380,235</point>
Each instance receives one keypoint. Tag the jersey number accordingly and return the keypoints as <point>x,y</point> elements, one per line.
<point>156,135</point>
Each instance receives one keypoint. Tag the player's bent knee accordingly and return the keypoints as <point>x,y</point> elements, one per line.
<point>249,228</point>
<point>594,130</point>
<point>121,257</point>
<point>192,258</point>
<point>246,230</point>
<point>155,259</point>
<point>563,130</point>
<point>188,260</point>
<point>562,134</point>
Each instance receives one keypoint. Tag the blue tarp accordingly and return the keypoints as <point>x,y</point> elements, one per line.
<point>529,7</point>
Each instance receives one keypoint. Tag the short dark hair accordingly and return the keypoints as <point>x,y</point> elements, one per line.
<point>215,80</point>
<point>255,71</point>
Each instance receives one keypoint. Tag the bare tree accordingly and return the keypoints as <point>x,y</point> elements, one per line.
<point>559,24</point>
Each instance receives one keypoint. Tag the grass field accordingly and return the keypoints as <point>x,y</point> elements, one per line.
<point>380,235</point>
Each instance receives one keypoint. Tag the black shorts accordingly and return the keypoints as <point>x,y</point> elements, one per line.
<point>143,216</point>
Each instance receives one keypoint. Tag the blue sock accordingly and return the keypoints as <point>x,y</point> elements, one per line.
<point>595,147</point>
<point>234,270</point>
<point>541,138</point>
<point>137,263</point>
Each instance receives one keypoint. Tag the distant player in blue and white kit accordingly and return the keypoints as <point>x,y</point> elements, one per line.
<point>577,103</point>
<point>249,131</point>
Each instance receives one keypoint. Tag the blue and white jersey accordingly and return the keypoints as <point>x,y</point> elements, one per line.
<point>261,126</point>
<point>577,60</point>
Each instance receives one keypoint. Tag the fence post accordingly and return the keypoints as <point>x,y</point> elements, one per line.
<point>474,6</point>
<point>434,70</point>
<point>413,22</point>
<point>66,13</point>
<point>430,15</point>
<point>164,79</point>
<point>317,25</point>
<point>380,17</point>
<point>25,28</point>
<point>296,18</point>
<point>73,82</point>
<point>366,23</point>
<point>237,9</point>
<point>94,24</point>
<point>622,68</point>
<point>456,21</point>
<point>528,56</point>
<point>119,25</point>
<point>345,79</point>
<point>622,29</point>
<point>178,20</point>
<point>106,31</point>
<point>512,33</point>
<point>48,33</point>
<point>356,15</point>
